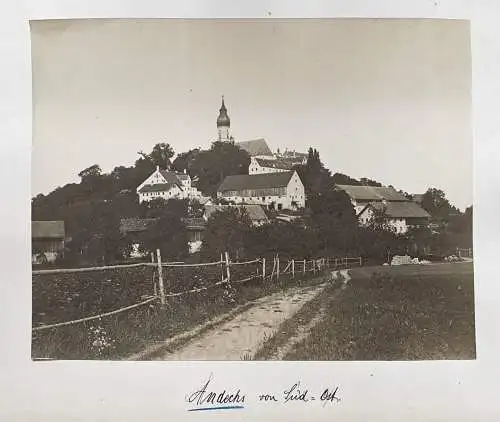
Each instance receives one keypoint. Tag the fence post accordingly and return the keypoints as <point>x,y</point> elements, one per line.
<point>221,267</point>
<point>360,261</point>
<point>304,267</point>
<point>327,262</point>
<point>160,278</point>
<point>314,266</point>
<point>228,272</point>
<point>154,282</point>
<point>293,268</point>
<point>277,268</point>
<point>263,269</point>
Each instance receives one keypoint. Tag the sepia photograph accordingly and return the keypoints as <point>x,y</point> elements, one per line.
<point>252,190</point>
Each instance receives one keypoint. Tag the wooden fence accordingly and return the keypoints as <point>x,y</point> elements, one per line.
<point>230,273</point>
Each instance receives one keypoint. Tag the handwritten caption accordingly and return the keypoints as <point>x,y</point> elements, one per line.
<point>208,398</point>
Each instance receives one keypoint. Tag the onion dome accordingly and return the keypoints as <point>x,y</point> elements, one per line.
<point>223,119</point>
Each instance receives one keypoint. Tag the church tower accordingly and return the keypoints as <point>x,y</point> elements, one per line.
<point>223,124</point>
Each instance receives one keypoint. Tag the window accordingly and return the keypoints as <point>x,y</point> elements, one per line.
<point>280,206</point>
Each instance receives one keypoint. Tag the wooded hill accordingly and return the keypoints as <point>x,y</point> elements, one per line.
<point>92,210</point>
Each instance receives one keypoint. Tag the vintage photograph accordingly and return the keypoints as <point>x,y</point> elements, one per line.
<point>252,189</point>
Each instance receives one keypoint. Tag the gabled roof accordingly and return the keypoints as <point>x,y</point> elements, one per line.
<point>372,193</point>
<point>173,177</point>
<point>407,209</point>
<point>158,187</point>
<point>276,164</point>
<point>255,212</point>
<point>256,181</point>
<point>47,230</point>
<point>255,147</point>
<point>131,225</point>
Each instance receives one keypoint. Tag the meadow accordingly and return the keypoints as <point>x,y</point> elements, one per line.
<point>410,312</point>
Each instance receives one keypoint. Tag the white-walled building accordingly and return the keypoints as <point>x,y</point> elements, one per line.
<point>270,165</point>
<point>400,213</point>
<point>283,190</point>
<point>167,184</point>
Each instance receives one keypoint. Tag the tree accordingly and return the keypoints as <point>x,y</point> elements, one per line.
<point>421,239</point>
<point>342,179</point>
<point>95,233</point>
<point>380,245</point>
<point>221,160</point>
<point>315,176</point>
<point>160,155</point>
<point>334,221</point>
<point>168,234</point>
<point>124,178</point>
<point>184,160</point>
<point>90,172</point>
<point>143,168</point>
<point>379,220</point>
<point>290,240</point>
<point>226,231</point>
<point>435,203</point>
<point>160,207</point>
<point>369,182</point>
<point>460,229</point>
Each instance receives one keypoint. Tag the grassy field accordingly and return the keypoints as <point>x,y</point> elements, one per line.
<point>118,336</point>
<point>398,313</point>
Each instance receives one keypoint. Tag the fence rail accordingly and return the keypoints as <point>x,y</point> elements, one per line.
<point>228,270</point>
<point>88,269</point>
<point>76,321</point>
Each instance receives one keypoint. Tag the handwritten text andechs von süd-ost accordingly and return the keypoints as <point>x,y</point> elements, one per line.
<point>205,396</point>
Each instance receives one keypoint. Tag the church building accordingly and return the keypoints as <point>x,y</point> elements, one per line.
<point>223,124</point>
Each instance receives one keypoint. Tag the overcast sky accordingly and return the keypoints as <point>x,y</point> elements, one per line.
<point>384,99</point>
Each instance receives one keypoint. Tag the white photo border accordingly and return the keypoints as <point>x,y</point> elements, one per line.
<point>155,391</point>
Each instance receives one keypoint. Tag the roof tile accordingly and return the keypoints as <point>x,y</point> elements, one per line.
<point>255,181</point>
<point>255,147</point>
<point>372,193</point>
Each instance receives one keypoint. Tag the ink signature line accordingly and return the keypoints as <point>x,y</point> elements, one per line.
<point>215,408</point>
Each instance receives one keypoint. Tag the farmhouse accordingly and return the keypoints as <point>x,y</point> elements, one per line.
<point>255,212</point>
<point>399,212</point>
<point>167,184</point>
<point>47,240</point>
<point>283,190</point>
<point>400,215</point>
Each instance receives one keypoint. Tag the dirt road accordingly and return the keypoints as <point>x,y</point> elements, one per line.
<point>241,337</point>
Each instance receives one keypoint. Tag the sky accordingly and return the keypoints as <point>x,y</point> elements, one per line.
<point>384,99</point>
